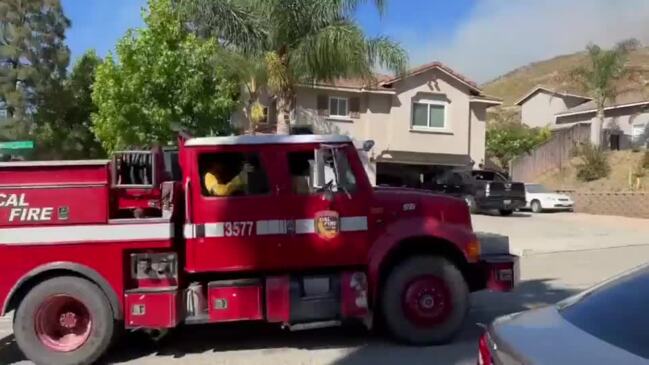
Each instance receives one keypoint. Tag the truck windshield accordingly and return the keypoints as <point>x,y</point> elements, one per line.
<point>336,161</point>
<point>615,312</point>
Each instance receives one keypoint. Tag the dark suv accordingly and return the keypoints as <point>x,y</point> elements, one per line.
<point>482,189</point>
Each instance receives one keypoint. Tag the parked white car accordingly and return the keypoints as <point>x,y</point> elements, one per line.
<point>539,198</point>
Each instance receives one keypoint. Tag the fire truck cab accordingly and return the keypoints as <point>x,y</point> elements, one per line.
<point>281,229</point>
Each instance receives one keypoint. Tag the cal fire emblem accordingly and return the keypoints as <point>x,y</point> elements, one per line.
<point>327,224</point>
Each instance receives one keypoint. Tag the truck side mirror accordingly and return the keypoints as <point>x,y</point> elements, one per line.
<point>316,170</point>
<point>367,145</point>
<point>323,177</point>
<point>328,193</point>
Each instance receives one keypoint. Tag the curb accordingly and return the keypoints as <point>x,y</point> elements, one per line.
<point>525,252</point>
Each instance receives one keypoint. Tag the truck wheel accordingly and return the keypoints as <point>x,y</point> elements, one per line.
<point>424,300</point>
<point>64,321</point>
<point>506,212</point>
<point>470,201</point>
<point>536,206</point>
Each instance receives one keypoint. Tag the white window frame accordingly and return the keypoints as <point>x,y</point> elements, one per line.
<point>636,137</point>
<point>338,98</point>
<point>428,103</point>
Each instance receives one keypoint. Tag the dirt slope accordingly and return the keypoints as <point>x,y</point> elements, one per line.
<point>555,73</point>
<point>622,164</point>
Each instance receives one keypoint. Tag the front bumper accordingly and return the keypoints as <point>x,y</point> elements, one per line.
<point>497,269</point>
<point>562,205</point>
<point>501,272</point>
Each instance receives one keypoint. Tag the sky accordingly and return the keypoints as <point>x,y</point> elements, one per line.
<point>481,39</point>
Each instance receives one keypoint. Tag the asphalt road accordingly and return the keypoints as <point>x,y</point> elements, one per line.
<point>558,232</point>
<point>546,278</point>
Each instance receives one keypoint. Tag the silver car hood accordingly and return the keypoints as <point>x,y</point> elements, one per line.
<point>543,337</point>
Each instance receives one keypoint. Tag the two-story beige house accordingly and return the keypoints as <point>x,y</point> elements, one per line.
<point>431,116</point>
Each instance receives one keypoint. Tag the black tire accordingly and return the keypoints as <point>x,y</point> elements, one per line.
<point>393,312</point>
<point>470,201</point>
<point>97,305</point>
<point>506,212</point>
<point>536,206</point>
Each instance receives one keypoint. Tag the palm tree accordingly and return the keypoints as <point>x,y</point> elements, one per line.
<point>299,41</point>
<point>599,79</point>
<point>251,71</point>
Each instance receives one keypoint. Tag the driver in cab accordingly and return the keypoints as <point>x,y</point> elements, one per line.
<point>225,177</point>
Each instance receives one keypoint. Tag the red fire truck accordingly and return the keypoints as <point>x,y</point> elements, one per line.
<point>303,241</point>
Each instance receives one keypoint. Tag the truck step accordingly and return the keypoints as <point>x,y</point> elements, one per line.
<point>313,325</point>
<point>198,319</point>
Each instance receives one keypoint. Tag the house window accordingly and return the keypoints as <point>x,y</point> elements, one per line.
<point>338,107</point>
<point>3,113</point>
<point>428,115</point>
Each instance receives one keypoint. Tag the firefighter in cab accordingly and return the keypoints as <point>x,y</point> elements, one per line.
<point>225,176</point>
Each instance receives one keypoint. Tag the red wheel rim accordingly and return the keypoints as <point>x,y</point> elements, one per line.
<point>427,301</point>
<point>62,323</point>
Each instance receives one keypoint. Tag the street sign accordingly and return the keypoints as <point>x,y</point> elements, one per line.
<point>17,145</point>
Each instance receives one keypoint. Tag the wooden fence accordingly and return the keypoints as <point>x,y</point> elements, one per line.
<point>553,154</point>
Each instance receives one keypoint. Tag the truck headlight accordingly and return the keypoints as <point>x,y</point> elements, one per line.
<point>473,250</point>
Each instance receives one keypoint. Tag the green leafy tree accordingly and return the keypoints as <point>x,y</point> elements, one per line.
<point>505,141</point>
<point>299,41</point>
<point>165,77</point>
<point>599,79</point>
<point>64,115</point>
<point>33,56</point>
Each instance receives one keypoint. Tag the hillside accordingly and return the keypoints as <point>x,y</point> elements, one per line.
<point>621,163</point>
<point>555,74</point>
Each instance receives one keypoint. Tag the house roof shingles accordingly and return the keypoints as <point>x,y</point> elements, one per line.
<point>356,83</point>
<point>429,66</point>
<point>538,88</point>
<point>384,82</point>
<point>621,101</point>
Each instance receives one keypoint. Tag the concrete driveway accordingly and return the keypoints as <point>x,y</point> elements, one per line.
<point>558,232</point>
<point>546,278</point>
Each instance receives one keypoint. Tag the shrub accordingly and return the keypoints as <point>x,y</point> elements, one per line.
<point>645,160</point>
<point>593,165</point>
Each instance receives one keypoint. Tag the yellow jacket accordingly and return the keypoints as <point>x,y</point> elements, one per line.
<point>214,187</point>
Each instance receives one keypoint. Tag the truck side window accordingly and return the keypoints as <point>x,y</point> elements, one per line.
<point>455,179</point>
<point>299,167</point>
<point>299,164</point>
<point>232,174</point>
<point>450,178</point>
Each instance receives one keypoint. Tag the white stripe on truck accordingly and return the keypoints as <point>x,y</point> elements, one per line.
<point>50,235</point>
<point>71,234</point>
<point>275,226</point>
